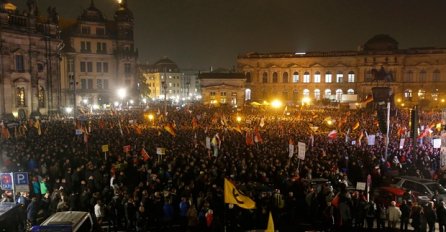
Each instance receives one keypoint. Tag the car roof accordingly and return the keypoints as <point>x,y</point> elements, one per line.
<point>417,179</point>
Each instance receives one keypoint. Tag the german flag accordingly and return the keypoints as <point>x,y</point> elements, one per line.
<point>169,128</point>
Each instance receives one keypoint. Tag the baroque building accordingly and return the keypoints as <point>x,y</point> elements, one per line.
<point>29,60</point>
<point>415,74</point>
<point>99,57</point>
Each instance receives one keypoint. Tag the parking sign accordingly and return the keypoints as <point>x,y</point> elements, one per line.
<point>6,181</point>
<point>21,182</point>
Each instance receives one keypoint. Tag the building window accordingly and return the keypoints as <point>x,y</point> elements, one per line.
<point>247,94</point>
<point>317,77</point>
<point>408,94</point>
<point>85,46</point>
<point>285,77</point>
<point>327,93</point>
<point>295,77</point>
<point>265,77</point>
<point>20,97</point>
<point>408,76</point>
<point>41,97</point>
<point>306,93</point>
<point>19,63</point>
<point>338,94</point>
<point>317,94</point>
<point>99,67</point>
<point>86,84</point>
<point>274,77</point>
<point>306,77</point>
<point>436,76</point>
<point>83,66</point>
<point>127,69</point>
<point>422,76</point>
<point>105,67</point>
<point>421,94</point>
<point>328,77</point>
<point>350,91</point>
<point>85,30</point>
<point>100,31</point>
<point>89,66</point>
<point>99,84</point>
<point>339,77</point>
<point>351,77</point>
<point>105,84</point>
<point>101,48</point>
<point>368,76</point>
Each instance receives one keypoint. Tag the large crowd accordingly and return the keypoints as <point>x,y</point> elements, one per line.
<point>133,186</point>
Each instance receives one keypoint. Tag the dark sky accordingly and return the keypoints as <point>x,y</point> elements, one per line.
<point>199,34</point>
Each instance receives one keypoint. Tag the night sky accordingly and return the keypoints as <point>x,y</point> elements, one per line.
<point>198,34</point>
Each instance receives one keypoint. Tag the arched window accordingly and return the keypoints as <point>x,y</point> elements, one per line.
<point>306,93</point>
<point>20,97</point>
<point>351,77</point>
<point>265,77</point>
<point>274,77</point>
<point>436,76</point>
<point>422,76</point>
<point>295,77</point>
<point>285,77</point>
<point>368,76</point>
<point>408,76</point>
<point>339,77</point>
<point>350,91</point>
<point>317,94</point>
<point>317,77</point>
<point>327,93</point>
<point>328,77</point>
<point>247,94</point>
<point>248,77</point>
<point>306,77</point>
<point>338,94</point>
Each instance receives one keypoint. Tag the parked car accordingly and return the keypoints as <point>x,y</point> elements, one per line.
<point>385,195</point>
<point>422,187</point>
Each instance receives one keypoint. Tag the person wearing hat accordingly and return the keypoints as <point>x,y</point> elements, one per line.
<point>394,214</point>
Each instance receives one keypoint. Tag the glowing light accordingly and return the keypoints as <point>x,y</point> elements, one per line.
<point>15,113</point>
<point>116,103</point>
<point>276,104</point>
<point>306,101</point>
<point>122,93</point>
<point>95,107</point>
<point>398,100</point>
<point>69,110</point>
<point>119,1</point>
<point>150,117</point>
<point>85,101</point>
<point>131,102</point>
<point>239,119</point>
<point>329,122</point>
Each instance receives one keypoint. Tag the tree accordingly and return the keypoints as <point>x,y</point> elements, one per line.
<point>143,86</point>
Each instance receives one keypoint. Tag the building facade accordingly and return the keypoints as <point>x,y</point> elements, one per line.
<point>99,58</point>
<point>165,80</point>
<point>222,88</point>
<point>415,74</point>
<point>29,61</point>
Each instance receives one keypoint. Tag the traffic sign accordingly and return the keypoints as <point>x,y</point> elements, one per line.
<point>21,181</point>
<point>6,181</point>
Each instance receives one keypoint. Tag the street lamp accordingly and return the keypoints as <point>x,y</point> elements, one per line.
<point>122,92</point>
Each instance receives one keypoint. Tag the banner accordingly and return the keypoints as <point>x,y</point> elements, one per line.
<point>208,143</point>
<point>443,151</point>
<point>104,148</point>
<point>79,131</point>
<point>234,196</point>
<point>371,140</point>
<point>402,143</point>
<point>126,149</point>
<point>291,150</point>
<point>301,147</point>
<point>160,151</point>
<point>436,143</point>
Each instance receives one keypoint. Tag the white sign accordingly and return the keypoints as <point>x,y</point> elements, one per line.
<point>402,143</point>
<point>208,143</point>
<point>360,185</point>
<point>79,131</point>
<point>291,150</point>
<point>436,143</point>
<point>160,150</point>
<point>443,158</point>
<point>301,150</point>
<point>371,140</point>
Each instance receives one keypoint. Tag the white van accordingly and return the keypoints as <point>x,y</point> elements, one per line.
<point>68,221</point>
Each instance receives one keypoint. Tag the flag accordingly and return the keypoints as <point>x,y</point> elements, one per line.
<point>145,155</point>
<point>126,149</point>
<point>238,129</point>
<point>138,130</point>
<point>234,196</point>
<point>356,126</point>
<point>37,126</point>
<point>262,122</point>
<point>194,123</point>
<point>168,127</point>
<point>85,138</point>
<point>360,138</point>
<point>257,137</point>
<point>249,138</point>
<point>333,134</point>
<point>270,227</point>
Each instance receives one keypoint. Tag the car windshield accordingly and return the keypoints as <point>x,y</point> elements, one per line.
<point>436,187</point>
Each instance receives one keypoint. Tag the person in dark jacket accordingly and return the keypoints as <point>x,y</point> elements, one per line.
<point>405,215</point>
<point>431,216</point>
<point>31,211</point>
<point>441,216</point>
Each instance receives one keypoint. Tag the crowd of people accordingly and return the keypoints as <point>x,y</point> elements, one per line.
<point>168,173</point>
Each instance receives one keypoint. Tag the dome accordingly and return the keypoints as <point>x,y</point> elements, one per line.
<point>123,14</point>
<point>381,43</point>
<point>165,65</point>
<point>92,14</point>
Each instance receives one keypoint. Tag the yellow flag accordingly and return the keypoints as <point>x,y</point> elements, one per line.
<point>270,227</point>
<point>234,196</point>
<point>356,126</point>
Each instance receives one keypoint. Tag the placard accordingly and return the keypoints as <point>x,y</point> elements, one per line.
<point>301,150</point>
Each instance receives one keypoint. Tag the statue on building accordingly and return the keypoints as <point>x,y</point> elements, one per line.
<point>382,75</point>
<point>53,16</point>
<point>32,7</point>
